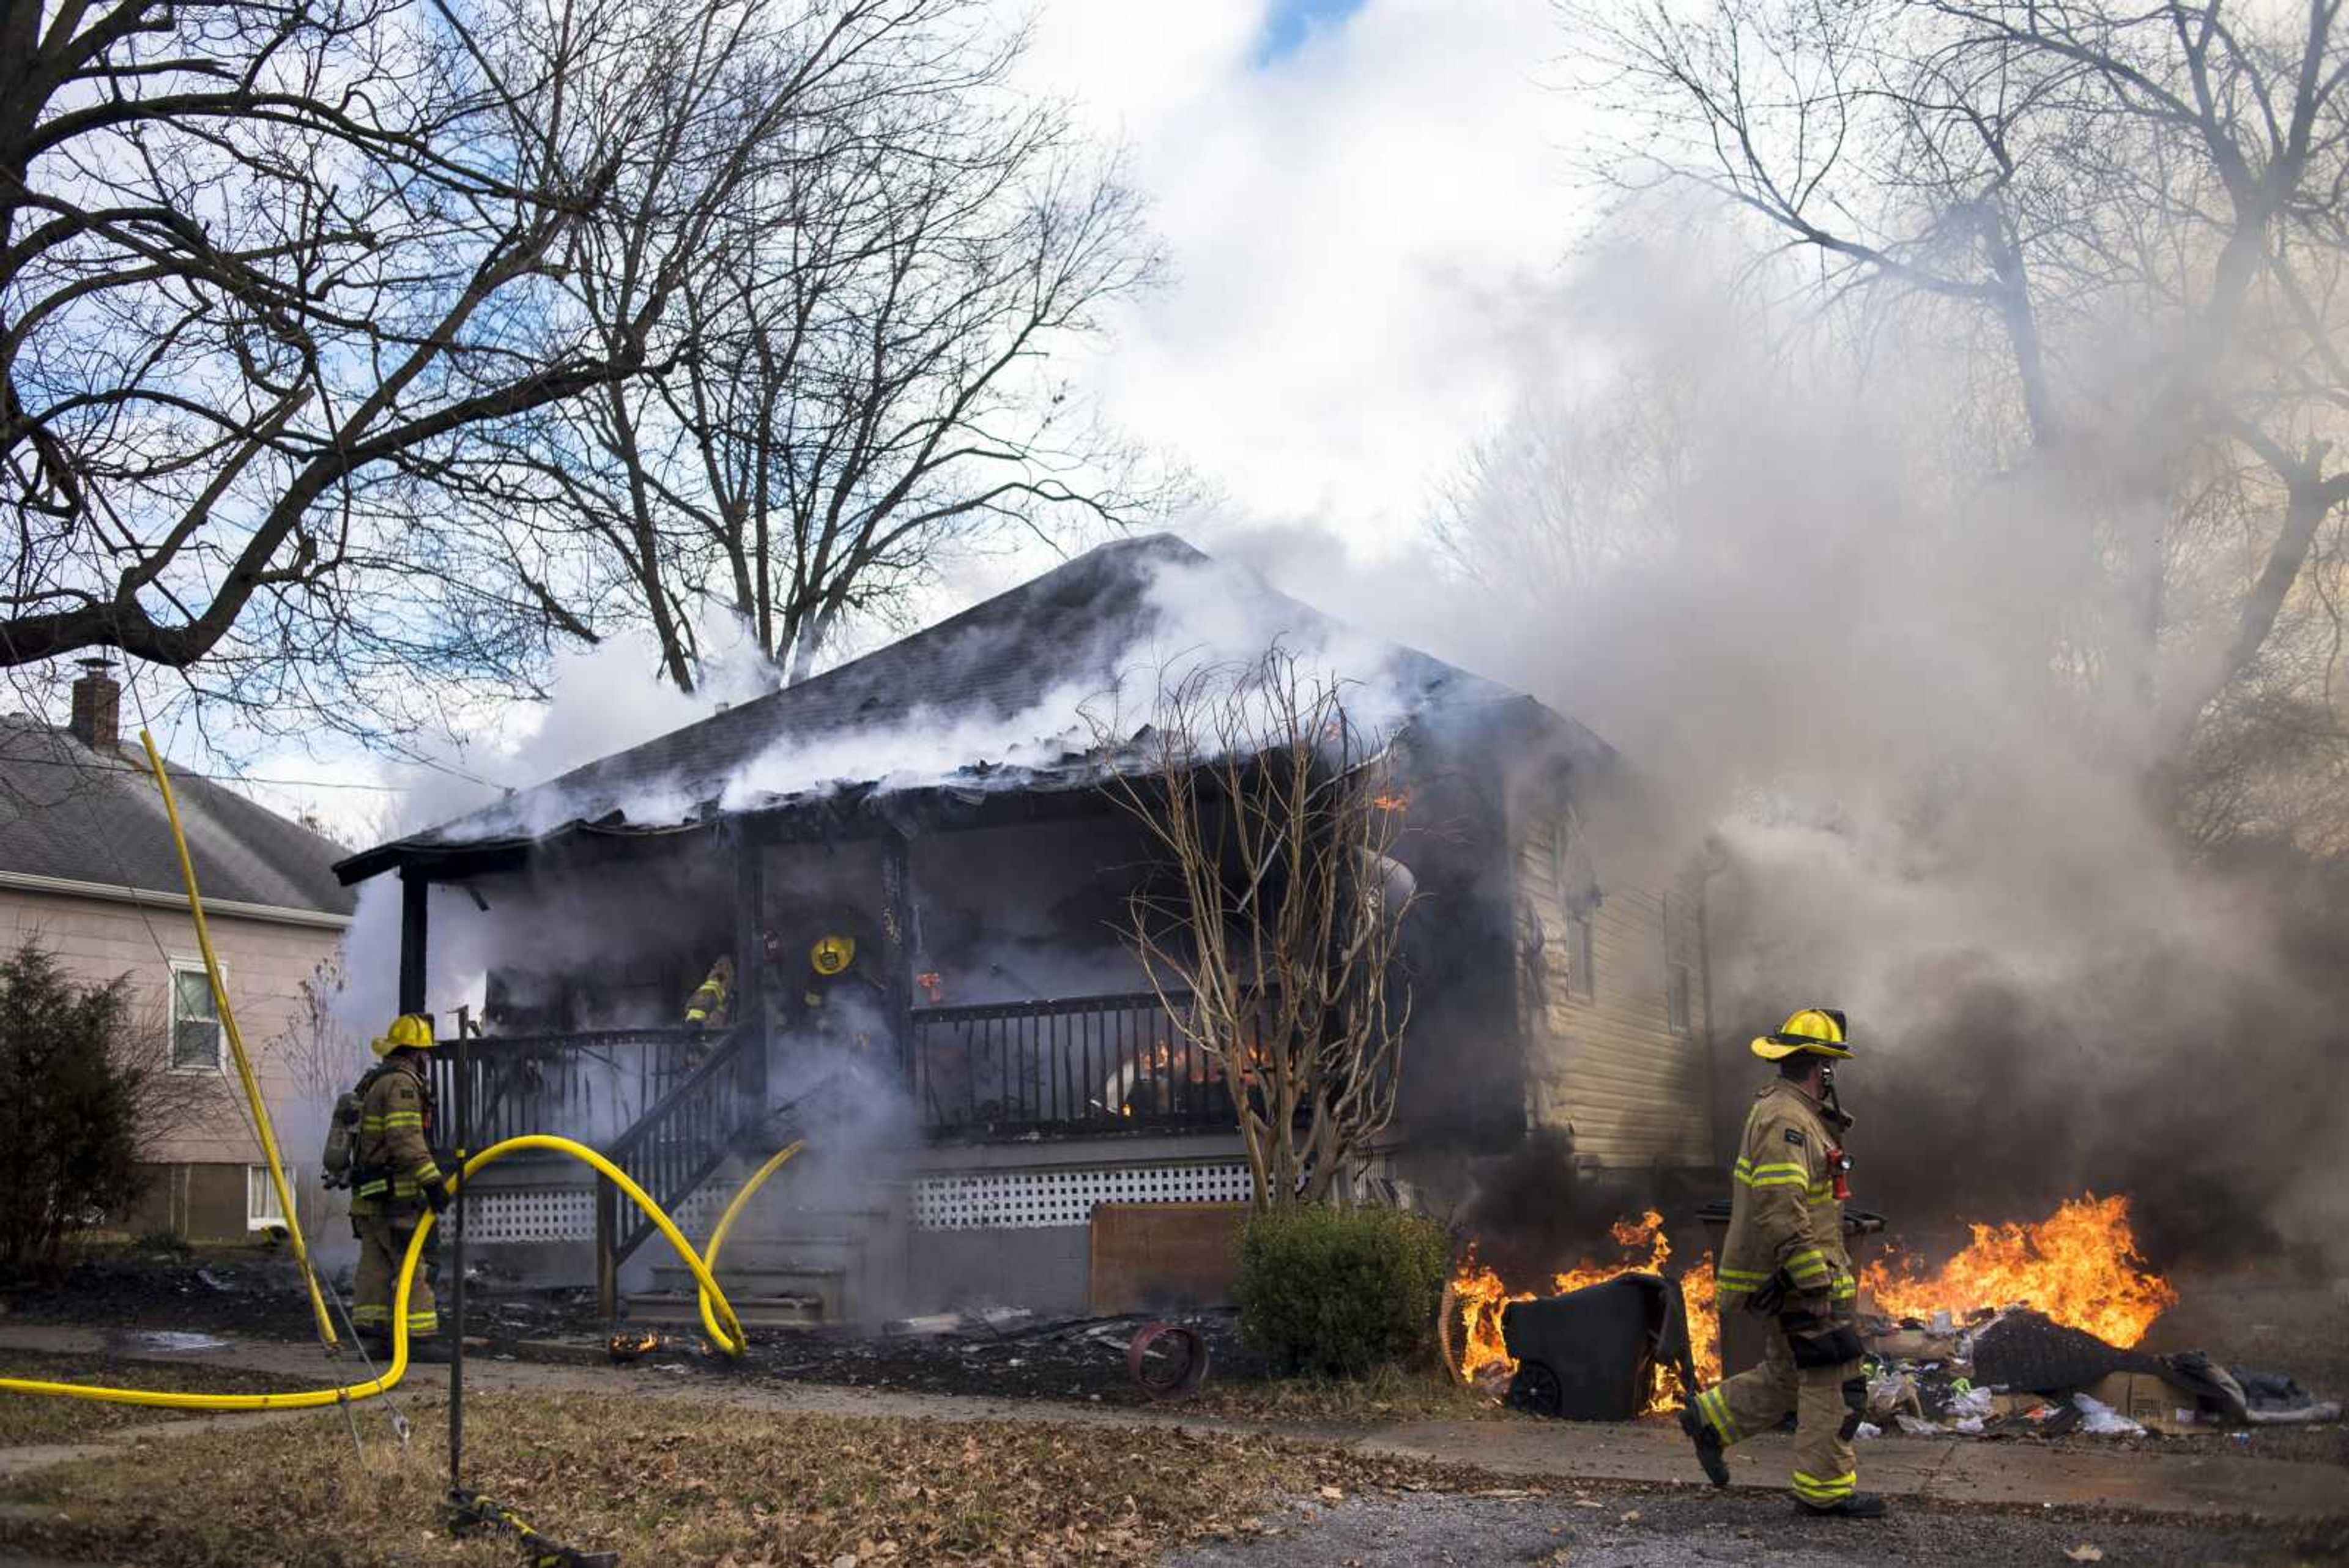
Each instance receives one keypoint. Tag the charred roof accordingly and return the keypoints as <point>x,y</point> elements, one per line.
<point>991,682</point>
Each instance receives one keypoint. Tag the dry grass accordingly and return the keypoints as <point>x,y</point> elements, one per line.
<point>50,1418</point>
<point>666,1482</point>
<point>1389,1393</point>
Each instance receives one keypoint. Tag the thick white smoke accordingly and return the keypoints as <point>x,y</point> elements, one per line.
<point>1789,578</point>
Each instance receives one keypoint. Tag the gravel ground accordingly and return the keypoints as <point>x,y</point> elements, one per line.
<point>1606,1529</point>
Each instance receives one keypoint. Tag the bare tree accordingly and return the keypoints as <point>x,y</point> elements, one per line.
<point>864,374</point>
<point>1274,936</point>
<point>261,267</point>
<point>2130,218</point>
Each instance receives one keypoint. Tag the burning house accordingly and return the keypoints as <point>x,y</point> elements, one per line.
<point>921,886</point>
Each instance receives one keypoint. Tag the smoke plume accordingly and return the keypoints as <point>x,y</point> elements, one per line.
<point>1839,627</point>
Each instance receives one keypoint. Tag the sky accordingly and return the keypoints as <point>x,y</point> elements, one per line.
<point>1365,203</point>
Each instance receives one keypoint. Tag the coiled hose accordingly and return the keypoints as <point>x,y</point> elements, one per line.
<point>716,1313</point>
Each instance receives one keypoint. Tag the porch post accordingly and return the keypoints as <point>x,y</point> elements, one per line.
<point>413,886</point>
<point>750,954</point>
<point>897,942</point>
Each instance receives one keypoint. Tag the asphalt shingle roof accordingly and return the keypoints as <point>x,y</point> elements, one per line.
<point>70,812</point>
<point>1075,626</point>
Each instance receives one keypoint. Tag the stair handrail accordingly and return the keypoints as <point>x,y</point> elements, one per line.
<point>613,1244</point>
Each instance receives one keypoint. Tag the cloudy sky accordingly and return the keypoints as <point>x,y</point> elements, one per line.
<point>1364,202</point>
<point>1362,199</point>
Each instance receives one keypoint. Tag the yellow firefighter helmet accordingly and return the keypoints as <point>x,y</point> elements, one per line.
<point>833,953</point>
<point>409,1032</point>
<point>1817,1029</point>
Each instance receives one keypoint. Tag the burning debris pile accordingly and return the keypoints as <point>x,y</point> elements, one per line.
<point>2031,1328</point>
<point>2080,1266</point>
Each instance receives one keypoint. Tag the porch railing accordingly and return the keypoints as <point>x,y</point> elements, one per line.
<point>591,1085</point>
<point>1078,1064</point>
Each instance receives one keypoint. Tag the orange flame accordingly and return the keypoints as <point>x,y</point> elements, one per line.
<point>1479,1298</point>
<point>2080,1266</point>
<point>1393,799</point>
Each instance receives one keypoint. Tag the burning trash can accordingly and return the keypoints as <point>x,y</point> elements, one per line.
<point>1742,1333</point>
<point>1593,1354</point>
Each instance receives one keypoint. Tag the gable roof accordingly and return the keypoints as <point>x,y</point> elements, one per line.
<point>72,814</point>
<point>946,704</point>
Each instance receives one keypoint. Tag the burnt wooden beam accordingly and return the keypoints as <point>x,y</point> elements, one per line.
<point>897,943</point>
<point>750,851</point>
<point>413,889</point>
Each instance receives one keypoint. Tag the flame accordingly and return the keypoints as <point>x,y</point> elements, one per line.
<point>1479,1297</point>
<point>1391,800</point>
<point>2080,1266</point>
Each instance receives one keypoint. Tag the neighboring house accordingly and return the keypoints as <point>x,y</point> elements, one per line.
<point>939,804</point>
<point>87,871</point>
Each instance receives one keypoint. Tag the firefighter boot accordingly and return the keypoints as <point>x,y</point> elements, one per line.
<point>1708,1450</point>
<point>1859,1505</point>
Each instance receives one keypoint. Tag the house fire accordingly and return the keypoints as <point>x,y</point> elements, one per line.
<point>921,884</point>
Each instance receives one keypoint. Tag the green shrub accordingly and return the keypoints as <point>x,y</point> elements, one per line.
<point>69,1109</point>
<point>1340,1291</point>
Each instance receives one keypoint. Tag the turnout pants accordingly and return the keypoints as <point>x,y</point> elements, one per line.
<point>383,1243</point>
<point>1827,1399</point>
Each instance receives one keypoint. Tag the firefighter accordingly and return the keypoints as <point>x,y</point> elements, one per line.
<point>708,1009</point>
<point>1784,1258</point>
<point>395,1177</point>
<point>832,977</point>
<point>712,1001</point>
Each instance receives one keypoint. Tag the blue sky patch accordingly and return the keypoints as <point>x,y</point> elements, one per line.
<point>1288,21</point>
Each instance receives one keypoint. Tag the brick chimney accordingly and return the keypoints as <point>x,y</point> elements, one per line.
<point>97,706</point>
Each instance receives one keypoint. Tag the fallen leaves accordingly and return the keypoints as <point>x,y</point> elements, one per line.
<point>660,1480</point>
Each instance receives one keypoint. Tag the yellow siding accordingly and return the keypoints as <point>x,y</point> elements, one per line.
<point>1609,1068</point>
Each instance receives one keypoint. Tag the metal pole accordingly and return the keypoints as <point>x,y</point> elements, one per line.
<point>457,1212</point>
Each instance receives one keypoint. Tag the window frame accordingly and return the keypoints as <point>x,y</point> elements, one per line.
<point>257,1186</point>
<point>1680,998</point>
<point>1578,901</point>
<point>179,966</point>
<point>1581,956</point>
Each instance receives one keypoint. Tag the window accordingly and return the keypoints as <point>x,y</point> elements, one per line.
<point>1577,881</point>
<point>261,1210</point>
<point>195,1020</point>
<point>1581,974</point>
<point>1676,997</point>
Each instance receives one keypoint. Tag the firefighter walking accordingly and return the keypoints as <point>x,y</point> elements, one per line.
<point>1784,1258</point>
<point>395,1178</point>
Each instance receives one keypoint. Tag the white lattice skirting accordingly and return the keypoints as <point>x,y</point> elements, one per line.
<point>508,1214</point>
<point>1027,1200</point>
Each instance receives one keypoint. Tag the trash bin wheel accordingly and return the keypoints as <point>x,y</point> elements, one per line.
<point>1536,1389</point>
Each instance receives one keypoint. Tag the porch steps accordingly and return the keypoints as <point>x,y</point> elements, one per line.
<point>681,1309</point>
<point>822,1287</point>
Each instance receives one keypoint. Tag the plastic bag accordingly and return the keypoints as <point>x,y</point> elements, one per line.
<point>1973,1405</point>
<point>2100,1419</point>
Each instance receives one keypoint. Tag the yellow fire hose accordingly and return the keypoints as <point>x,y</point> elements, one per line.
<point>726,1222</point>
<point>718,1316</point>
<point>717,1312</point>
